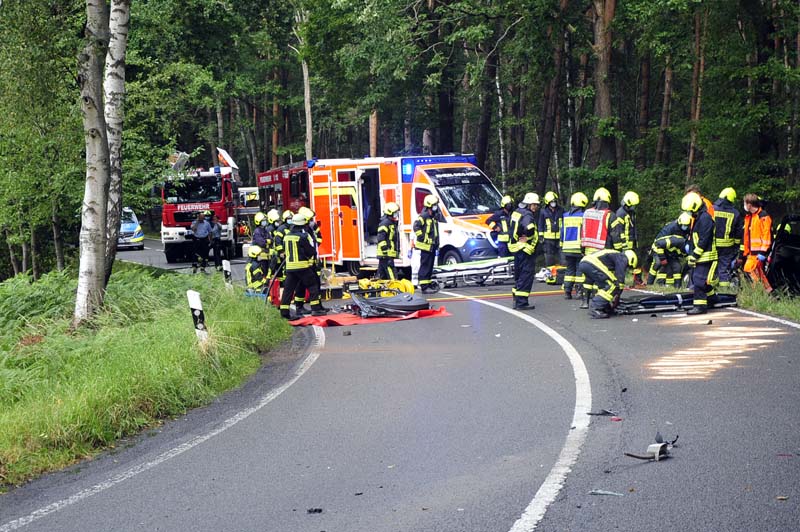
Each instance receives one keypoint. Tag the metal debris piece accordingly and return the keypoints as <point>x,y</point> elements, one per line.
<point>604,492</point>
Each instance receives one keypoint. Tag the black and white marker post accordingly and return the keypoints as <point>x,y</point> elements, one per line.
<point>226,271</point>
<point>199,318</point>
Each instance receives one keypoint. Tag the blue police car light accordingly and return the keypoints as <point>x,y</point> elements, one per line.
<point>408,172</point>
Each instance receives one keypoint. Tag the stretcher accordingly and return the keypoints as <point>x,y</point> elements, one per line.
<point>477,273</point>
<point>667,303</point>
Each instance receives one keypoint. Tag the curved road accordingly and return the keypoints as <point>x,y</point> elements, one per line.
<point>455,424</point>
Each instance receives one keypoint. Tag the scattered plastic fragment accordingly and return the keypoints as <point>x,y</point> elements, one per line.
<point>359,493</point>
<point>635,319</point>
<point>782,498</point>
<point>602,412</point>
<point>465,326</point>
<point>497,335</point>
<point>616,418</point>
<point>314,510</point>
<point>347,333</point>
<point>604,492</point>
<point>710,322</point>
<point>624,390</point>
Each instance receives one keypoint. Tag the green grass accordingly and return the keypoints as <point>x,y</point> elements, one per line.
<point>64,394</point>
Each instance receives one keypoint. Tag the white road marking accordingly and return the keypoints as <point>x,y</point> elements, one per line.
<point>313,355</point>
<point>578,429</point>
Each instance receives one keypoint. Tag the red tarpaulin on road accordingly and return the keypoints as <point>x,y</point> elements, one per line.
<point>343,318</point>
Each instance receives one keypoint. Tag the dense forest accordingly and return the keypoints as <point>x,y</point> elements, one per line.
<point>568,95</point>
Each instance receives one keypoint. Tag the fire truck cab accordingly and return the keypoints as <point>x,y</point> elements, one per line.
<point>349,195</point>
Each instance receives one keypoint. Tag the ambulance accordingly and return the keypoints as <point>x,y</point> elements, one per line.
<point>349,195</point>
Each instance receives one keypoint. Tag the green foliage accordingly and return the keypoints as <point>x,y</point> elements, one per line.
<point>65,394</point>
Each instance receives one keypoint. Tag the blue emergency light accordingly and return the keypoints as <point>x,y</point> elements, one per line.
<point>410,163</point>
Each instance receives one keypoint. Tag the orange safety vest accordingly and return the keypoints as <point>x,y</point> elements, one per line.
<point>757,233</point>
<point>594,232</point>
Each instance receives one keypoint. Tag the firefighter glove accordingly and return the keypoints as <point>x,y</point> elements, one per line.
<point>691,261</point>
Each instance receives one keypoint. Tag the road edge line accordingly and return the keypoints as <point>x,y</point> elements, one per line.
<point>311,357</point>
<point>576,436</point>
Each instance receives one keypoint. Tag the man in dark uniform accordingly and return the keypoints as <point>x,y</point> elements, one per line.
<point>498,224</point>
<point>702,253</point>
<point>301,257</point>
<point>426,229</point>
<point>522,243</point>
<point>388,242</point>
<point>606,270</point>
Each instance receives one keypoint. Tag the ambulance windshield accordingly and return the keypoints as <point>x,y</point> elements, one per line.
<point>464,190</point>
<point>191,190</point>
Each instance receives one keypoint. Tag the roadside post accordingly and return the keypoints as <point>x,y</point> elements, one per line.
<point>226,272</point>
<point>199,318</point>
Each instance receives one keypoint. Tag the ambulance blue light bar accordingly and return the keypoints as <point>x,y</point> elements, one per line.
<point>409,164</point>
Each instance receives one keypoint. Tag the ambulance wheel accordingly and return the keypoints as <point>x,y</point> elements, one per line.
<point>353,267</point>
<point>451,257</point>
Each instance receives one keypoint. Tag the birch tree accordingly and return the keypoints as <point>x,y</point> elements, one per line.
<point>114,90</point>
<point>91,273</point>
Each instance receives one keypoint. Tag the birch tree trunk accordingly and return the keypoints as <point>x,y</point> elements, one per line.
<point>114,90</point>
<point>500,129</point>
<point>373,133</point>
<point>697,96</point>
<point>220,128</point>
<point>11,254</point>
<point>307,107</point>
<point>91,287</point>
<point>34,261</point>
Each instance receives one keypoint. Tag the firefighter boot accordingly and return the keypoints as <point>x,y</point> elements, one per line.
<point>587,296</point>
<point>567,292</point>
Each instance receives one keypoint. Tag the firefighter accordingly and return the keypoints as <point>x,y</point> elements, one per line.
<point>624,229</point>
<point>255,273</point>
<point>388,242</point>
<point>313,229</point>
<point>549,226</point>
<point>596,233</point>
<point>260,232</point>
<point>667,250</point>
<point>426,229</point>
<point>757,240</point>
<point>696,189</point>
<point>606,270</point>
<point>301,258</point>
<point>571,248</point>
<point>273,221</point>
<point>498,224</point>
<point>277,266</point>
<point>313,226</point>
<point>702,251</point>
<point>728,233</point>
<point>524,236</point>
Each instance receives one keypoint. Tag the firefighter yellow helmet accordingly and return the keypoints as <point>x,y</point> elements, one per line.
<point>729,194</point>
<point>630,199</point>
<point>685,220</point>
<point>691,202</point>
<point>287,215</point>
<point>273,216</point>
<point>254,251</point>
<point>550,196</point>
<point>579,199</point>
<point>259,217</point>
<point>299,219</point>
<point>507,200</point>
<point>633,260</point>
<point>391,208</point>
<point>531,198</point>
<point>430,200</point>
<point>305,211</point>
<point>602,194</point>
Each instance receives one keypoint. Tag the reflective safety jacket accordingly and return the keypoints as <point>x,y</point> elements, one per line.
<point>611,263</point>
<point>729,224</point>
<point>388,239</point>
<point>671,240</point>
<point>299,248</point>
<point>523,224</point>
<point>596,229</point>
<point>550,222</point>
<point>757,233</point>
<point>277,237</point>
<point>426,229</point>
<point>255,274</point>
<point>705,247</point>
<point>624,230</point>
<point>498,223</point>
<point>571,223</point>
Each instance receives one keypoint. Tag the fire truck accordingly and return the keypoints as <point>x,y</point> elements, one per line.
<point>186,193</point>
<point>349,195</point>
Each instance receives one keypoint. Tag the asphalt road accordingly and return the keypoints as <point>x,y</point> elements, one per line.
<point>460,424</point>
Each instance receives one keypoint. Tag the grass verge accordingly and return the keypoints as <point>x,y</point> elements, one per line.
<point>64,394</point>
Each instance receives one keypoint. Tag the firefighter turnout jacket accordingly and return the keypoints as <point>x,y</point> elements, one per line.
<point>426,229</point>
<point>299,248</point>
<point>388,238</point>
<point>550,222</point>
<point>571,224</point>
<point>255,274</point>
<point>523,233</point>
<point>609,265</point>
<point>670,240</point>
<point>729,224</point>
<point>498,223</point>
<point>624,230</point>
<point>703,247</point>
